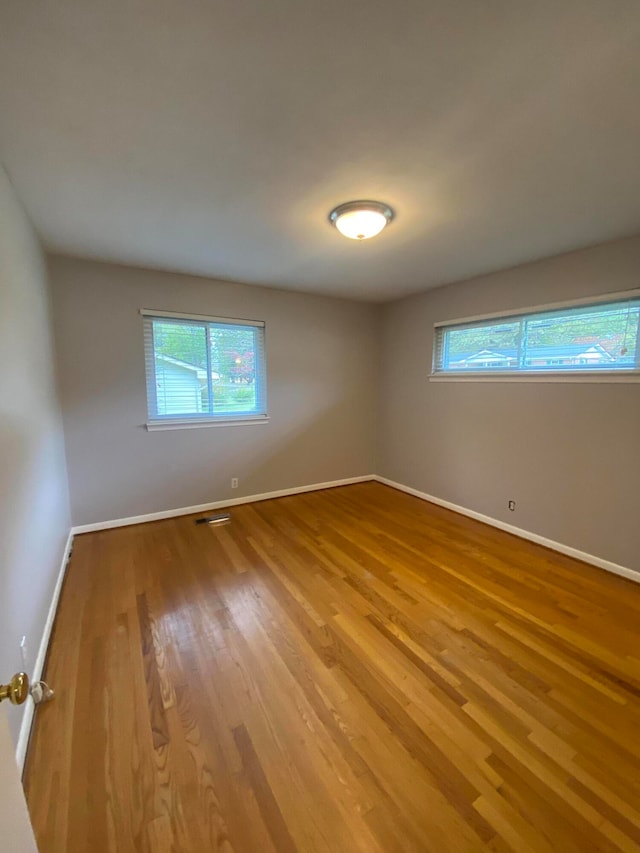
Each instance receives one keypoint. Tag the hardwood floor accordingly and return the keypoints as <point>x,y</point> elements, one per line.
<point>345,670</point>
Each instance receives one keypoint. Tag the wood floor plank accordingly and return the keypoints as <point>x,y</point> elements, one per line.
<point>350,670</point>
<point>269,808</point>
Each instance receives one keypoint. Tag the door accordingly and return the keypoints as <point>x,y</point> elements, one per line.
<point>15,827</point>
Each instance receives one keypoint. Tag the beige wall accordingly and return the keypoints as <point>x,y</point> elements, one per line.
<point>34,505</point>
<point>321,391</point>
<point>567,453</point>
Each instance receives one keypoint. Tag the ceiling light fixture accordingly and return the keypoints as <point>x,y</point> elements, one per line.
<point>360,220</point>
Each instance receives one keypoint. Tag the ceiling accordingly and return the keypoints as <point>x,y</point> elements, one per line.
<point>214,136</point>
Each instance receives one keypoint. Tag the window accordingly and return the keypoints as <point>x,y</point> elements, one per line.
<point>582,339</point>
<point>203,370</point>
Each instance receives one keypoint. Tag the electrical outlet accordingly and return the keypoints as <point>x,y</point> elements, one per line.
<point>234,482</point>
<point>512,506</point>
<point>24,651</point>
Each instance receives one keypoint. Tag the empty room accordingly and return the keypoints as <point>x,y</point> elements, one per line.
<point>320,426</point>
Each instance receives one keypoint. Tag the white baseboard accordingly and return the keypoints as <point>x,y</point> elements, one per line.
<point>36,674</point>
<point>189,510</point>
<point>518,531</point>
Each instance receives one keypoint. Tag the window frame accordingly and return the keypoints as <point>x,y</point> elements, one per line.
<point>199,420</point>
<point>624,374</point>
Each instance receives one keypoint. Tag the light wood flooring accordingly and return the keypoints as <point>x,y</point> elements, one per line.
<point>345,670</point>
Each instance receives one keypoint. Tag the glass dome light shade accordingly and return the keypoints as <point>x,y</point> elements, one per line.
<point>361,220</point>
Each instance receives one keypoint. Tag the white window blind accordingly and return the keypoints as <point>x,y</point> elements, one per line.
<point>204,369</point>
<point>598,337</point>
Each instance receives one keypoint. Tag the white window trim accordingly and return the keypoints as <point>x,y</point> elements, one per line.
<point>550,376</point>
<point>623,375</point>
<point>202,318</point>
<point>184,423</point>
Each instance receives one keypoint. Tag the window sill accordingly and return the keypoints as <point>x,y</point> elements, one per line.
<point>541,376</point>
<point>152,426</point>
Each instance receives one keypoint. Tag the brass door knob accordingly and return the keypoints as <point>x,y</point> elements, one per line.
<point>17,690</point>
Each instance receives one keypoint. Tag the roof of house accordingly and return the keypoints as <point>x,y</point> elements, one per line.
<point>540,352</point>
<point>176,362</point>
